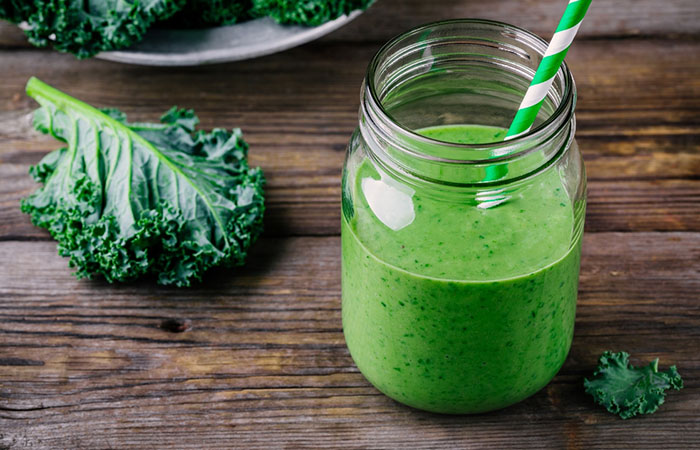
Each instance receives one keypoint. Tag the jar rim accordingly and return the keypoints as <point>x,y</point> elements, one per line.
<point>534,133</point>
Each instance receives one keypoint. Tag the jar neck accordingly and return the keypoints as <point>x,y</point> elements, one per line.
<point>462,72</point>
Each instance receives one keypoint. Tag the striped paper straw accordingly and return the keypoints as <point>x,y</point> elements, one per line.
<point>548,68</point>
<point>544,77</point>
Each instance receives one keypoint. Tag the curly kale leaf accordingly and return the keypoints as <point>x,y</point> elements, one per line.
<point>627,390</point>
<point>125,200</point>
<point>87,27</point>
<point>205,13</point>
<point>306,12</point>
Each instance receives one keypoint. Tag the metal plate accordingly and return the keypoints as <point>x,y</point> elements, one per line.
<point>246,40</point>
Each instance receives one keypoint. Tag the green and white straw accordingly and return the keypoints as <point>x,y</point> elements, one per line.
<point>544,77</point>
<point>548,68</point>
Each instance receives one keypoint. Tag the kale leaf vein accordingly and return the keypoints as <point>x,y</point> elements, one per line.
<point>627,390</point>
<point>125,200</point>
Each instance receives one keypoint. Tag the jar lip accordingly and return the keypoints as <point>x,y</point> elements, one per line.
<point>563,105</point>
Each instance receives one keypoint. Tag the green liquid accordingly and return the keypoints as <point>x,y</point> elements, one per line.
<point>454,308</point>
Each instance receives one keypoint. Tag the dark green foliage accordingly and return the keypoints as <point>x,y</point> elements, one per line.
<point>205,13</point>
<point>125,200</point>
<point>306,12</point>
<point>87,27</point>
<point>16,10</point>
<point>627,390</point>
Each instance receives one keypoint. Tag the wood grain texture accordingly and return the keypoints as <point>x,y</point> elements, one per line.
<point>304,201</point>
<point>641,146</point>
<point>264,362</point>
<point>255,359</point>
<point>607,18</point>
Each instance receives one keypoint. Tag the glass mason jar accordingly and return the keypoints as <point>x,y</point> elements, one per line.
<point>460,251</point>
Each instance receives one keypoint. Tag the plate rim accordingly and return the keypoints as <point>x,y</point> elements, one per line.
<point>197,58</point>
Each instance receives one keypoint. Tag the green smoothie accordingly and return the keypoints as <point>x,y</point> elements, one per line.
<point>452,308</point>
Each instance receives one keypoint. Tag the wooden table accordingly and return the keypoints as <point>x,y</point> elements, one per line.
<point>263,363</point>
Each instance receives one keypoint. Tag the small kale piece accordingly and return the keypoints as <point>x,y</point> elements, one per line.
<point>627,390</point>
<point>306,12</point>
<point>206,13</point>
<point>86,27</point>
<point>124,200</point>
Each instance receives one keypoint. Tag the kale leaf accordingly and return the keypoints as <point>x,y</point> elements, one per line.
<point>205,13</point>
<point>627,390</point>
<point>86,27</point>
<point>306,12</point>
<point>125,200</point>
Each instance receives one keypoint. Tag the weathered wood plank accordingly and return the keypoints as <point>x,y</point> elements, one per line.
<point>305,202</point>
<point>298,121</point>
<point>606,18</point>
<point>84,364</point>
<point>307,90</point>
